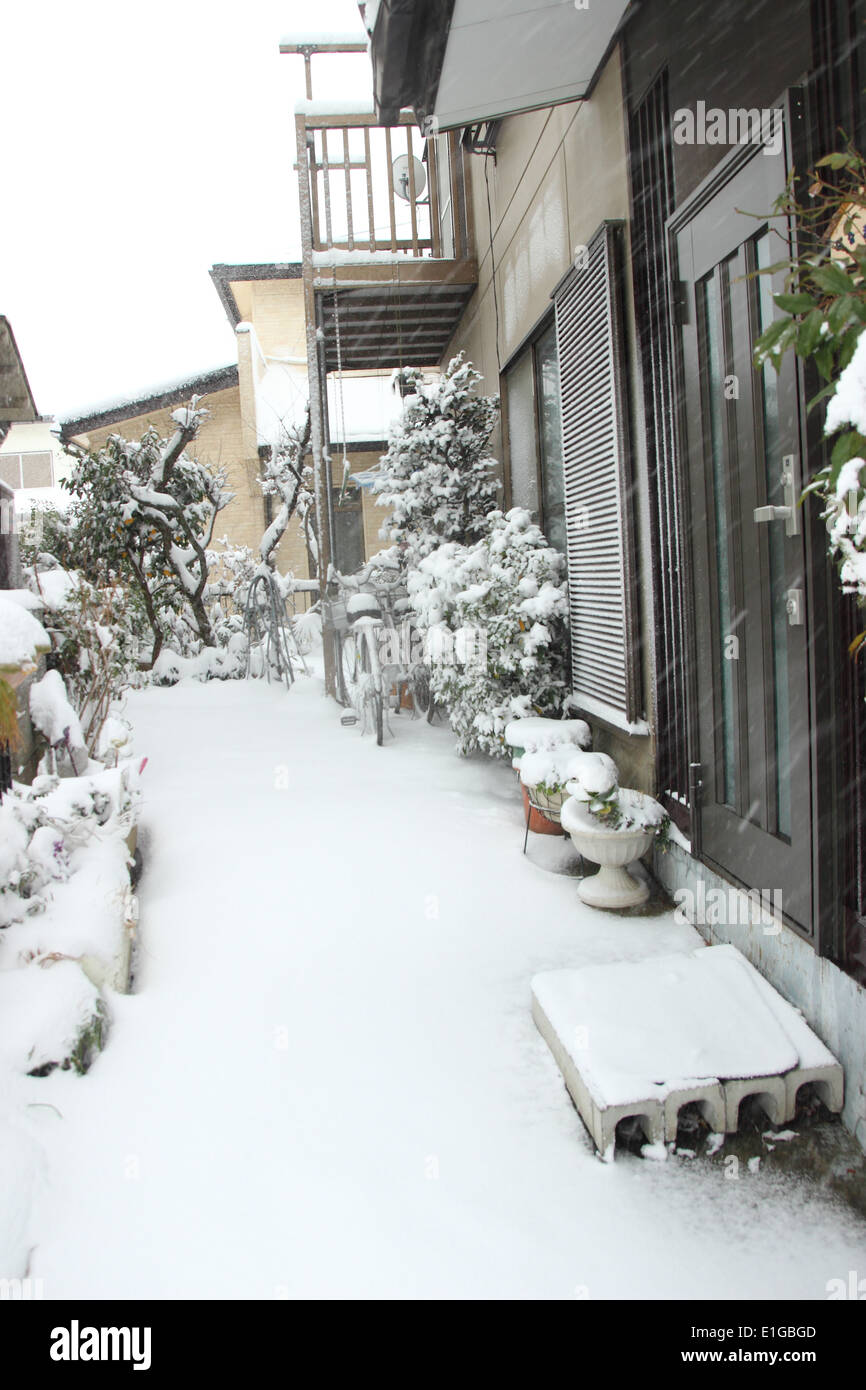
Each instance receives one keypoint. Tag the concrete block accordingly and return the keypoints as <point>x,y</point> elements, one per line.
<point>768,1090</point>
<point>828,1080</point>
<point>601,1120</point>
<point>710,1099</point>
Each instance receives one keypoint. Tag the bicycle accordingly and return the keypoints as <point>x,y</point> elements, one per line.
<point>359,615</point>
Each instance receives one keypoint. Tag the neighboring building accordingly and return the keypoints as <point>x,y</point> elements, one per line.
<point>17,411</point>
<point>605,291</point>
<point>250,404</point>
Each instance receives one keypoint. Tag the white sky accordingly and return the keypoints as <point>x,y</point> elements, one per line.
<point>140,153</point>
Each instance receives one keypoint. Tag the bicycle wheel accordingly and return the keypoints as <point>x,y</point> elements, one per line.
<point>378,716</point>
<point>371,687</point>
<point>419,684</point>
<point>350,668</point>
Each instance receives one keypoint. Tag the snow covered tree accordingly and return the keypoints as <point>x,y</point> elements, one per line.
<point>495,615</point>
<point>145,513</point>
<point>437,477</point>
<point>286,476</point>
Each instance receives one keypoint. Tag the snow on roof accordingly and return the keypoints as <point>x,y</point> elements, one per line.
<point>349,106</point>
<point>149,395</point>
<point>321,37</point>
<point>360,257</point>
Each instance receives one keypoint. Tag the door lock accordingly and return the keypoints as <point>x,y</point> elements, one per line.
<point>794,607</point>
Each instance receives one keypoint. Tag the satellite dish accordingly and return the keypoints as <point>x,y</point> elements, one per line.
<point>402,186</point>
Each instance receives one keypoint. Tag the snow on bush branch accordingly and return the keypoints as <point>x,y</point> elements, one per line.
<point>145,512</point>
<point>510,585</point>
<point>437,478</point>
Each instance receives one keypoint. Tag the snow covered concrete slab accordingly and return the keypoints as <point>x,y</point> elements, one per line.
<point>644,1038</point>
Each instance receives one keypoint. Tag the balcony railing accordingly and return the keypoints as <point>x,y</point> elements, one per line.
<point>359,206</point>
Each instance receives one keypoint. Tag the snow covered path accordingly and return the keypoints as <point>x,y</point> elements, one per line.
<point>328,1082</point>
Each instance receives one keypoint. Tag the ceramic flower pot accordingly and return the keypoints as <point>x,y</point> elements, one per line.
<point>543,819</point>
<point>613,887</point>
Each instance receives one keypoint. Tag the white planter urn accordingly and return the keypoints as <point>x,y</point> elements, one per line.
<point>613,850</point>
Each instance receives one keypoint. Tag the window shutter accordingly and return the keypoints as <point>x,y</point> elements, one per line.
<point>593,384</point>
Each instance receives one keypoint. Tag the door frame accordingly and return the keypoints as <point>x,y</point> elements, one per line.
<point>821,608</point>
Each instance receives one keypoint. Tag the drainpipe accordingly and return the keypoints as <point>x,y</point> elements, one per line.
<point>324,520</point>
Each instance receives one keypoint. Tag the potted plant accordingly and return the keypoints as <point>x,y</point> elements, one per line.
<point>542,750</point>
<point>611,826</point>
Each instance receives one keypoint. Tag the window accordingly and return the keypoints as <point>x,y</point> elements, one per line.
<point>535,435</point>
<point>27,470</point>
<point>348,530</point>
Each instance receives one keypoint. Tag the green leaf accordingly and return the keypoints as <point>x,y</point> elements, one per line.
<point>825,390</point>
<point>809,333</point>
<point>838,160</point>
<point>846,351</point>
<point>839,313</point>
<point>850,445</point>
<point>832,279</point>
<point>794,303</point>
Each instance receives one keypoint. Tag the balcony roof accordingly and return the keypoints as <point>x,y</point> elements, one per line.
<point>464,61</point>
<point>384,326</point>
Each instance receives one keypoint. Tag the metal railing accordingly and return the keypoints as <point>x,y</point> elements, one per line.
<point>355,201</point>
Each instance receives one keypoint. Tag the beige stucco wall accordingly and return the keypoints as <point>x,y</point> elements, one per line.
<point>276,307</point>
<point>558,174</point>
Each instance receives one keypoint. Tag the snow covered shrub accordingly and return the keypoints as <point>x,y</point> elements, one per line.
<point>285,476</point>
<point>96,634</point>
<point>821,317</point>
<point>497,613</point>
<point>144,513</point>
<point>437,478</point>
<point>43,828</point>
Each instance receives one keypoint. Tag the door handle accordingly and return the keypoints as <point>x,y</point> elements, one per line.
<point>771,513</point>
<point>789,513</point>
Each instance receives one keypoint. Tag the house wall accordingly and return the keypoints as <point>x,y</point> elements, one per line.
<point>276,307</point>
<point>711,58</point>
<point>36,437</point>
<point>558,174</point>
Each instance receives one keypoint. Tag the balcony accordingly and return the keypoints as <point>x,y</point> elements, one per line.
<point>388,251</point>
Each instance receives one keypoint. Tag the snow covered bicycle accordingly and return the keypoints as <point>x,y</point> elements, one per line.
<point>373,649</point>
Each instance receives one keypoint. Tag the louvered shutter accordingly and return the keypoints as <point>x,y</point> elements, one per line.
<point>593,385</point>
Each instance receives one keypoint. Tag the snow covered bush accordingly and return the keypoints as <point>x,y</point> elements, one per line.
<point>822,317</point>
<point>842,488</point>
<point>43,828</point>
<point>495,615</point>
<point>144,513</point>
<point>96,634</point>
<point>285,476</point>
<point>437,477</point>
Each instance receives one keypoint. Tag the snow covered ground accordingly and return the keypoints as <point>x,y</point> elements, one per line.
<point>328,1082</point>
